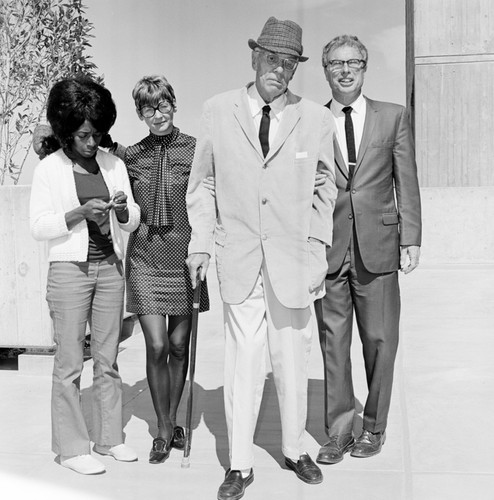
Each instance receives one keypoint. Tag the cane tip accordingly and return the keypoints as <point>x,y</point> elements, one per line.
<point>185,463</point>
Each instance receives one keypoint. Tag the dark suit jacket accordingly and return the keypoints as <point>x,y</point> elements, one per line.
<point>384,199</point>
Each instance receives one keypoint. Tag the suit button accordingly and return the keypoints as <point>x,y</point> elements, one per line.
<point>264,237</point>
<point>265,166</point>
<point>264,201</point>
<point>350,216</point>
<point>354,191</point>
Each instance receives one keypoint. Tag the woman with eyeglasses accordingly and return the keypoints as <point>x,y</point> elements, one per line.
<point>159,290</point>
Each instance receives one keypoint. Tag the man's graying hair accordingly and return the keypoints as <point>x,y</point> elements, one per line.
<point>344,40</point>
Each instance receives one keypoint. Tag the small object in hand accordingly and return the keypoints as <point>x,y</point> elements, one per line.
<point>118,202</point>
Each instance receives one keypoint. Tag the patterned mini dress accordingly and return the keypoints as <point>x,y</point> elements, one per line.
<point>158,279</point>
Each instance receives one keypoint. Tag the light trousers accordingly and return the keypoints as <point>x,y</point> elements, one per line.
<point>78,293</point>
<point>261,322</point>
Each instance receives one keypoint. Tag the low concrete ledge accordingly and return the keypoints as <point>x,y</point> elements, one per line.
<point>39,361</point>
<point>35,364</point>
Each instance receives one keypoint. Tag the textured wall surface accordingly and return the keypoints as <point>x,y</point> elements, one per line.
<point>24,316</point>
<point>453,50</point>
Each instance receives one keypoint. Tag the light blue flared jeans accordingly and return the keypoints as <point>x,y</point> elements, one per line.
<point>78,293</point>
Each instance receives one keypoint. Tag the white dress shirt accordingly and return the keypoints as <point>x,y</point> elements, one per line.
<point>358,118</point>
<point>256,103</point>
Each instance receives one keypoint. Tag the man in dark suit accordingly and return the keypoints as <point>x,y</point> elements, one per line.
<point>377,231</point>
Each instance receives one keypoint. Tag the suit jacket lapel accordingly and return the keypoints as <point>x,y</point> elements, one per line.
<point>370,122</point>
<point>244,117</point>
<point>291,116</point>
<point>338,156</point>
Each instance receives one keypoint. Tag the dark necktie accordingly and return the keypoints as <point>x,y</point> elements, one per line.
<point>350,144</point>
<point>264,130</point>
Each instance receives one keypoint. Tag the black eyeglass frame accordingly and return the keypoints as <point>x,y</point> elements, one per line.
<point>163,107</point>
<point>337,64</point>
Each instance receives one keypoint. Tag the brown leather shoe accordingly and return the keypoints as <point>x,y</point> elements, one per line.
<point>305,469</point>
<point>368,444</point>
<point>334,450</point>
<point>233,487</point>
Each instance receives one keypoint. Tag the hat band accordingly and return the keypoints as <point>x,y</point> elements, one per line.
<point>280,48</point>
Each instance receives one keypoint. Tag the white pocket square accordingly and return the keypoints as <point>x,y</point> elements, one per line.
<point>302,154</point>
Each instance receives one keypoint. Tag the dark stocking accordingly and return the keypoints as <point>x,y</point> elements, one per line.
<point>157,351</point>
<point>178,361</point>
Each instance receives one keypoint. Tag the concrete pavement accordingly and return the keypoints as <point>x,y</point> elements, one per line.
<point>439,442</point>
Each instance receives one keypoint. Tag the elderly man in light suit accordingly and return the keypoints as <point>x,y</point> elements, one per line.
<point>377,230</point>
<point>269,230</point>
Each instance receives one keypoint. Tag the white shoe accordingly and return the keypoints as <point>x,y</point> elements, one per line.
<point>119,452</point>
<point>83,464</point>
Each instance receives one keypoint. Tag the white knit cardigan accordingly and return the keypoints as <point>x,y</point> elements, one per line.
<point>53,194</point>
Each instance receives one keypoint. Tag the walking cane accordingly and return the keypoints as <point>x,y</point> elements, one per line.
<point>192,366</point>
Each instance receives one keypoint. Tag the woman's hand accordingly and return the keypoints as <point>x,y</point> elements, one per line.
<point>119,204</point>
<point>95,210</point>
<point>320,181</point>
<point>209,184</point>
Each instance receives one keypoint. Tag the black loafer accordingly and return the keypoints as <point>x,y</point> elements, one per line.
<point>178,439</point>
<point>334,450</point>
<point>233,487</point>
<point>160,451</point>
<point>368,444</point>
<point>305,469</point>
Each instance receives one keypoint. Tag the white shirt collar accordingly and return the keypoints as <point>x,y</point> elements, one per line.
<point>256,103</point>
<point>358,106</point>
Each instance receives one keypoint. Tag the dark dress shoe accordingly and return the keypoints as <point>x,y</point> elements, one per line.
<point>233,487</point>
<point>305,469</point>
<point>332,452</point>
<point>368,444</point>
<point>160,451</point>
<point>178,439</point>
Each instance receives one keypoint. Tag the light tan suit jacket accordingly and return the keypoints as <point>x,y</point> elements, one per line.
<point>265,208</point>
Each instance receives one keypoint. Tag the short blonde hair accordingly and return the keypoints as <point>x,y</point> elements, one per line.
<point>152,90</point>
<point>341,41</point>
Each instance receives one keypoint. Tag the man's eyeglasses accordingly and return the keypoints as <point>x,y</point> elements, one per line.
<point>337,64</point>
<point>274,60</point>
<point>149,111</point>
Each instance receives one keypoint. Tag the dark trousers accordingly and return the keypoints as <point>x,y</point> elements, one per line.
<point>375,298</point>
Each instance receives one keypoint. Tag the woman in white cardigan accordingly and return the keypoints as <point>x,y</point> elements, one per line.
<point>80,202</point>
